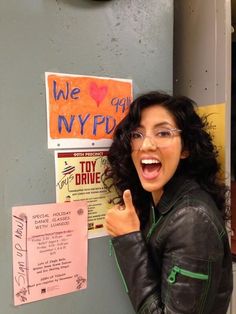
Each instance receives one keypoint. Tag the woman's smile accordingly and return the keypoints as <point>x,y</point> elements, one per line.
<point>150,167</point>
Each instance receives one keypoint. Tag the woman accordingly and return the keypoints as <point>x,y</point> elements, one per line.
<point>167,229</point>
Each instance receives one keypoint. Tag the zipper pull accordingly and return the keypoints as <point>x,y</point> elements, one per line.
<point>172,276</point>
<point>177,270</point>
<point>110,247</point>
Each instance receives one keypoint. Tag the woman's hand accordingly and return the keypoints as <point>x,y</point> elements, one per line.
<point>122,219</point>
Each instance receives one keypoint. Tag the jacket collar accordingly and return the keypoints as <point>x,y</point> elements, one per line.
<point>174,190</point>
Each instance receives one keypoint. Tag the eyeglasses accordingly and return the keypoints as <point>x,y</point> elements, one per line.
<point>162,137</point>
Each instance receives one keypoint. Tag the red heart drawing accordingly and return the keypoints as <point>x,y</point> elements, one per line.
<point>98,93</point>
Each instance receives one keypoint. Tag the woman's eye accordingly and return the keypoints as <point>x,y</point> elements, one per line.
<point>136,135</point>
<point>163,133</point>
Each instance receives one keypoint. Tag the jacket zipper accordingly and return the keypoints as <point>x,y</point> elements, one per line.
<point>111,249</point>
<point>154,224</point>
<point>177,270</point>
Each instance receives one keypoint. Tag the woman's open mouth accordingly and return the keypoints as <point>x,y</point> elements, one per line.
<point>150,168</point>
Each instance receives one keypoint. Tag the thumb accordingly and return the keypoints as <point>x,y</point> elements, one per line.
<point>127,197</point>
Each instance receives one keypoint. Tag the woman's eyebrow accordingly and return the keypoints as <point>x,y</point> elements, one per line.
<point>158,125</point>
<point>164,123</point>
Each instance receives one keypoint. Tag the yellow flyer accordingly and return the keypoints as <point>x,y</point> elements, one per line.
<point>79,177</point>
<point>216,118</point>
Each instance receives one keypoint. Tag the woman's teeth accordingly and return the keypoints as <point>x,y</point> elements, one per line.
<point>150,161</point>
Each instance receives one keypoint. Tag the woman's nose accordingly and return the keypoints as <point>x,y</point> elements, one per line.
<point>148,144</point>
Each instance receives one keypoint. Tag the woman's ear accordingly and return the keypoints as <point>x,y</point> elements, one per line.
<point>184,154</point>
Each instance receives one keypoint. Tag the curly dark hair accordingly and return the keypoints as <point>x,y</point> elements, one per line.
<point>201,164</point>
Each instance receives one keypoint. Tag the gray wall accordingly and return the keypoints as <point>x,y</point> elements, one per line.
<point>200,39</point>
<point>116,38</point>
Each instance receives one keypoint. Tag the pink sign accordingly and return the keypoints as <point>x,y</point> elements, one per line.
<point>49,250</point>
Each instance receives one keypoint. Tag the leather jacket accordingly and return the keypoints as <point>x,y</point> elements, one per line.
<point>181,263</point>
